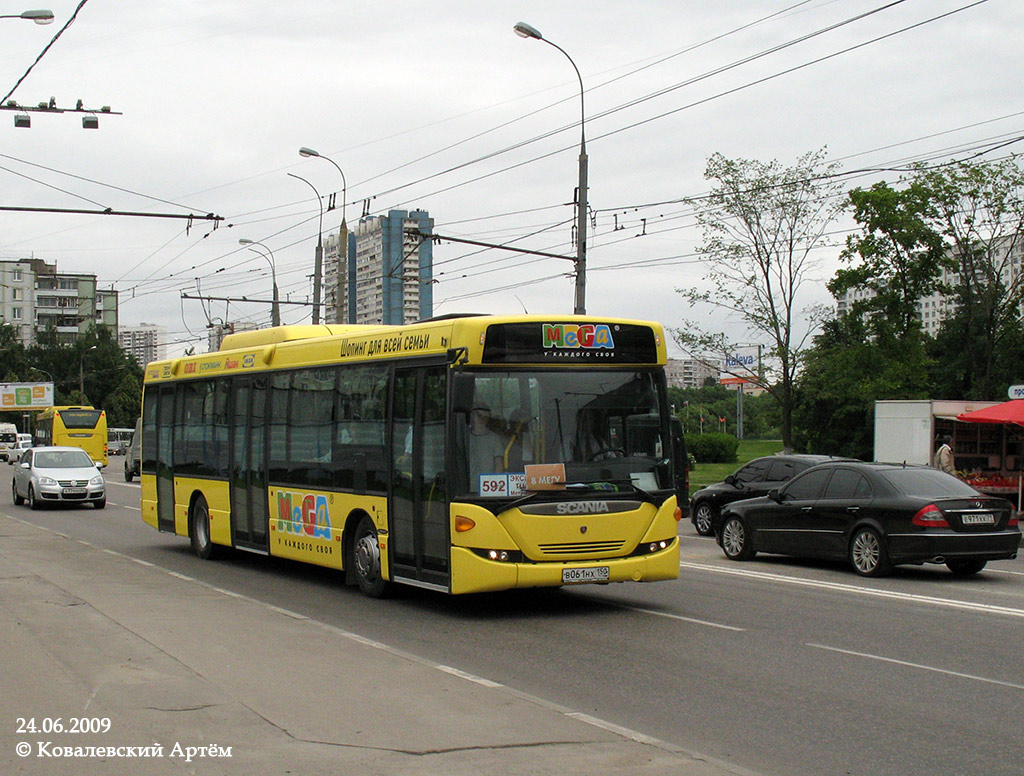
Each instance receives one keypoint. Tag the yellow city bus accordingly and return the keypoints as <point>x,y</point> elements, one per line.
<point>460,454</point>
<point>83,427</point>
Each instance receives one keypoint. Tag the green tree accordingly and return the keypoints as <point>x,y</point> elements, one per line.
<point>899,257</point>
<point>845,373</point>
<point>762,225</point>
<point>13,359</point>
<point>979,209</point>
<point>123,403</point>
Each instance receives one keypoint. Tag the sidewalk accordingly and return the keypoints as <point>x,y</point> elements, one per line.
<point>199,681</point>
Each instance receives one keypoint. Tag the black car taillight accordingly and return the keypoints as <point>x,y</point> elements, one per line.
<point>930,517</point>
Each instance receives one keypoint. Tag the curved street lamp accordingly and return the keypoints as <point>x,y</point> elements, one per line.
<point>524,30</point>
<point>309,152</point>
<point>275,311</point>
<point>318,263</point>
<point>39,17</point>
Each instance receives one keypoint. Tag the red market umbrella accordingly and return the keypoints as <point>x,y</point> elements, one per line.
<point>1008,412</point>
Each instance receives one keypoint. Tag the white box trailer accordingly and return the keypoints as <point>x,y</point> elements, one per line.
<point>905,429</point>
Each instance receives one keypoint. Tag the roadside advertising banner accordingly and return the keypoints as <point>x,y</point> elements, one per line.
<point>26,396</point>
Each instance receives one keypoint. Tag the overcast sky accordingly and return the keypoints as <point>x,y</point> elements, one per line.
<point>440,106</point>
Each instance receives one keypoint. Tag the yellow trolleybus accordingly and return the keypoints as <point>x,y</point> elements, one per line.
<point>460,454</point>
<point>84,427</point>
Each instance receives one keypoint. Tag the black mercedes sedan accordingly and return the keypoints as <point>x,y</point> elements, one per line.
<point>875,515</point>
<point>753,479</point>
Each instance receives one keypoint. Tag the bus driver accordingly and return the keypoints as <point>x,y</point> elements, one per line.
<point>486,448</point>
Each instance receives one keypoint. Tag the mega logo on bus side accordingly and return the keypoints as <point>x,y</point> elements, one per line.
<point>588,336</point>
<point>303,514</point>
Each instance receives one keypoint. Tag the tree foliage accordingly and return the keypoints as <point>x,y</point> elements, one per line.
<point>900,257</point>
<point>979,210</point>
<point>762,225</point>
<point>845,373</point>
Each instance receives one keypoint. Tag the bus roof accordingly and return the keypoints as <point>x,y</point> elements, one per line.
<point>565,340</point>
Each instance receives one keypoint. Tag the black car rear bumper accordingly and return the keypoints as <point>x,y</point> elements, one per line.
<point>916,548</point>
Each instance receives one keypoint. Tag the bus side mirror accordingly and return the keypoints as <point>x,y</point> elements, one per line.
<point>462,393</point>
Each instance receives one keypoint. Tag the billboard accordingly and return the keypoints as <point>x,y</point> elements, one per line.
<point>744,361</point>
<point>26,396</point>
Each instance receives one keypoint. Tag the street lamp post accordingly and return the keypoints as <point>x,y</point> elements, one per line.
<point>343,232</point>
<point>524,30</point>
<point>81,371</point>
<point>275,311</point>
<point>308,152</point>
<point>318,263</point>
<point>39,17</point>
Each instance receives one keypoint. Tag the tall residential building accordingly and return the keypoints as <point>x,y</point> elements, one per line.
<point>34,297</point>
<point>388,274</point>
<point>145,342</point>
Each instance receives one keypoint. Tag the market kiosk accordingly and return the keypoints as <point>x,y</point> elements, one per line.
<point>996,433</point>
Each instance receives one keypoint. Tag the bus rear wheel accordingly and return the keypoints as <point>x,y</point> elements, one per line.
<point>199,529</point>
<point>366,560</point>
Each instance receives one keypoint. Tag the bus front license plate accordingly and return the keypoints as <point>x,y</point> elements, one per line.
<point>579,576</point>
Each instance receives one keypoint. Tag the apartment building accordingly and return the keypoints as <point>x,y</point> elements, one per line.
<point>145,342</point>
<point>384,274</point>
<point>34,296</point>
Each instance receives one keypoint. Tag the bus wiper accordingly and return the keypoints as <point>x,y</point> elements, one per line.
<point>644,495</point>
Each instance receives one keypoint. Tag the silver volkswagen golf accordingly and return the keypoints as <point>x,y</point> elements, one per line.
<point>62,475</point>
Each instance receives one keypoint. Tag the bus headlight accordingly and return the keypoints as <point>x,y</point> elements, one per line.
<point>500,556</point>
<point>648,548</point>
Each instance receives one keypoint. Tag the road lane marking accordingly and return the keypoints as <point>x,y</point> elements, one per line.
<point>693,620</point>
<point>1004,571</point>
<point>869,656</point>
<point>953,603</point>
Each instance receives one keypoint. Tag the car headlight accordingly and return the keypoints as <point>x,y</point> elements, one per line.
<point>97,480</point>
<point>47,481</point>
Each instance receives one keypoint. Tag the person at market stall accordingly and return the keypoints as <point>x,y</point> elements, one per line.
<point>944,456</point>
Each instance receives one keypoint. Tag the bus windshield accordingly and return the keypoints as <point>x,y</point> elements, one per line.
<point>604,426</point>
<point>79,418</point>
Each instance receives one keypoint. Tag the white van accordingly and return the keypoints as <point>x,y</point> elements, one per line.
<point>8,442</point>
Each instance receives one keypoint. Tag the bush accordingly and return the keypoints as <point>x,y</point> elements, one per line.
<point>712,448</point>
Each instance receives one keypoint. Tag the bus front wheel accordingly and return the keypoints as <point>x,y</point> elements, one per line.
<point>199,529</point>
<point>366,560</point>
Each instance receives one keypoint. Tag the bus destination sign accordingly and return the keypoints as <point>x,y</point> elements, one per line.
<point>568,343</point>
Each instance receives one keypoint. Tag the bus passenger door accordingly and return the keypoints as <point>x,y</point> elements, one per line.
<point>249,505</point>
<point>418,513</point>
<point>164,459</point>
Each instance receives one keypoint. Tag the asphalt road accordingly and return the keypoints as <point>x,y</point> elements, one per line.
<point>777,666</point>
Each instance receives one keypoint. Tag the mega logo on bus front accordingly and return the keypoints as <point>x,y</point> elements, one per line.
<point>303,514</point>
<point>586,336</point>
